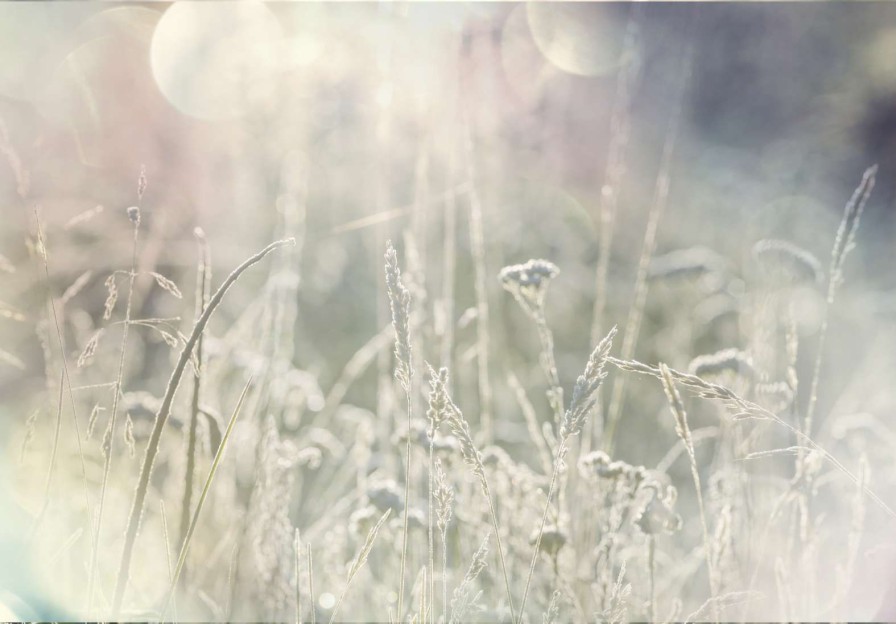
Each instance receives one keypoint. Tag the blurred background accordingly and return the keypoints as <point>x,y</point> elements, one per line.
<point>349,124</point>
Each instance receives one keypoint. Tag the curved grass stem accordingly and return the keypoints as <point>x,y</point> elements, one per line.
<point>152,447</point>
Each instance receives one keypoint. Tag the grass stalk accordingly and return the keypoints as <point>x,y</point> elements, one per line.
<point>202,287</point>
<point>53,454</point>
<point>584,398</point>
<point>477,242</point>
<point>311,585</point>
<point>843,243</point>
<point>164,411</point>
<point>296,551</point>
<point>651,578</point>
<point>44,254</point>
<point>181,559</point>
<point>113,417</point>
<point>359,562</point>
<point>684,433</point>
<point>657,209</point>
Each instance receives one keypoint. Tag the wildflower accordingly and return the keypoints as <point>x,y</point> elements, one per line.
<point>552,540</point>
<point>594,464</point>
<point>134,215</point>
<point>528,283</point>
<point>385,495</point>
<point>657,515</point>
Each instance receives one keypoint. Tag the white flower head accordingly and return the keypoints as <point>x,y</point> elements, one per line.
<point>528,283</point>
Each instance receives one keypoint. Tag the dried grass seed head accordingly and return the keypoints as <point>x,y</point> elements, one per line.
<point>444,496</point>
<point>584,393</point>
<point>657,515</point>
<point>553,538</point>
<point>438,408</point>
<point>400,305</point>
<point>678,411</point>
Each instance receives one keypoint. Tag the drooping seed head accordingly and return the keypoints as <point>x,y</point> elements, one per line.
<point>784,264</point>
<point>732,361</point>
<point>694,262</point>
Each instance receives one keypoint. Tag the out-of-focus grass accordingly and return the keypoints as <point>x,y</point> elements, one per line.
<point>345,125</point>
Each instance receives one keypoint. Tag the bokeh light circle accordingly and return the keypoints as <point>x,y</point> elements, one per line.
<point>581,38</point>
<point>214,60</point>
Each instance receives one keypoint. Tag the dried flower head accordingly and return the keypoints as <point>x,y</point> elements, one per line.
<point>594,464</point>
<point>553,539</point>
<point>528,283</point>
<point>362,520</point>
<point>782,263</point>
<point>386,495</point>
<point>134,215</point>
<point>657,515</point>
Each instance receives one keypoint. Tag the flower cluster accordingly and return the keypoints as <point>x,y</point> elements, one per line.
<point>528,283</point>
